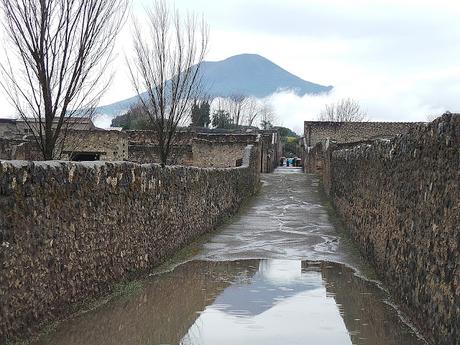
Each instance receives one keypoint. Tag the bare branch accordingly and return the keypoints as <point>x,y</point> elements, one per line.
<point>165,69</point>
<point>61,50</point>
<point>267,115</point>
<point>345,110</point>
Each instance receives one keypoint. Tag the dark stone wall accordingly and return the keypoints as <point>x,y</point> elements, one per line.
<point>271,150</point>
<point>69,231</point>
<point>348,132</point>
<point>19,149</point>
<point>400,199</point>
<point>8,128</point>
<point>7,146</point>
<point>314,159</point>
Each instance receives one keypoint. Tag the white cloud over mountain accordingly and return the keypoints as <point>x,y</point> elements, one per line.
<point>400,59</point>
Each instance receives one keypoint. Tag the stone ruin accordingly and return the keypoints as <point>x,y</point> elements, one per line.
<point>192,147</point>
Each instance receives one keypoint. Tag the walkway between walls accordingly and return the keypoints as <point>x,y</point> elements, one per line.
<point>289,219</point>
<point>280,272</point>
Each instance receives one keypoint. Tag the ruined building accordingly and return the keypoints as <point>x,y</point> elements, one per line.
<point>193,147</point>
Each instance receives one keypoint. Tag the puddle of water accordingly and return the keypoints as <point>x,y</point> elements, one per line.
<point>244,302</point>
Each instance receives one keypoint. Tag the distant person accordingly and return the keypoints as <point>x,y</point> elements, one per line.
<point>281,162</point>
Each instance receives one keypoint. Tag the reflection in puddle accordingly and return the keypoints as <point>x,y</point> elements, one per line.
<point>244,302</point>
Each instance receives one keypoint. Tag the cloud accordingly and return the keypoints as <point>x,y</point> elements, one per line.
<point>414,99</point>
<point>398,58</point>
<point>103,121</point>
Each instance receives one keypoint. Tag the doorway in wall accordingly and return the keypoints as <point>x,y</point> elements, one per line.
<point>85,157</point>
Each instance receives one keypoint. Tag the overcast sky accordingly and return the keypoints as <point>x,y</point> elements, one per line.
<point>400,59</point>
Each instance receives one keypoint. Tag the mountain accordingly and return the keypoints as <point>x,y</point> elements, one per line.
<point>247,74</point>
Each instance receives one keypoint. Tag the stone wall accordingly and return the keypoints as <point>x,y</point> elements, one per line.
<point>69,231</point>
<point>347,132</point>
<point>180,154</point>
<point>314,159</point>
<point>220,150</point>
<point>7,146</point>
<point>19,149</point>
<point>214,154</point>
<point>8,128</point>
<point>400,199</point>
<point>191,148</point>
<point>108,145</point>
<point>271,150</point>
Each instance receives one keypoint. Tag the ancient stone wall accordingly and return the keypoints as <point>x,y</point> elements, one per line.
<point>317,158</point>
<point>146,137</point>
<point>69,231</point>
<point>179,155</point>
<point>8,129</point>
<point>19,149</point>
<point>271,150</point>
<point>347,132</point>
<point>215,154</point>
<point>108,145</point>
<point>7,146</point>
<point>314,159</point>
<point>400,199</point>
<point>191,148</point>
<point>220,150</point>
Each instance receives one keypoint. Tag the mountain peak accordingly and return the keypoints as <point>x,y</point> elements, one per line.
<point>246,56</point>
<point>246,74</point>
<point>254,75</point>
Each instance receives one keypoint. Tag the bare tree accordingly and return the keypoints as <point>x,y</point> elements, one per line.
<point>56,67</point>
<point>168,52</point>
<point>253,109</point>
<point>243,110</point>
<point>236,107</point>
<point>267,115</point>
<point>345,110</point>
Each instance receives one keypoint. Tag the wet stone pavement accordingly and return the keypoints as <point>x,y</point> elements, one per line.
<point>280,272</point>
<point>287,220</point>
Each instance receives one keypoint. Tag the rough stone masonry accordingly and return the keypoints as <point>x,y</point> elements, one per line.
<point>400,199</point>
<point>69,231</point>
